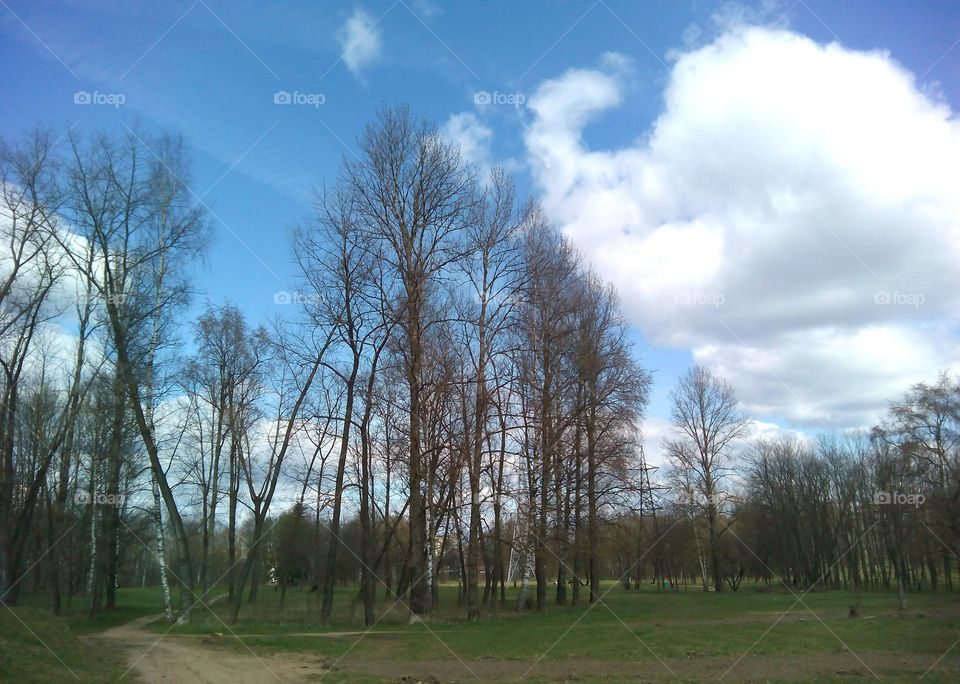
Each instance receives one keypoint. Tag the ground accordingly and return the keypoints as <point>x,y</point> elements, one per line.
<point>632,635</point>
<point>157,658</point>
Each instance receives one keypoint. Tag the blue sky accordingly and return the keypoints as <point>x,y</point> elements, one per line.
<point>209,70</point>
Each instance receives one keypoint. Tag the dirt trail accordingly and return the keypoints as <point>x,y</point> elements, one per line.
<point>173,659</point>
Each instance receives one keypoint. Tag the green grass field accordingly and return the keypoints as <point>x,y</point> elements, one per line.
<point>631,627</point>
<point>35,646</point>
<point>630,636</point>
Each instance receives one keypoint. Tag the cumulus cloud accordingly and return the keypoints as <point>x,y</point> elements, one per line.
<point>360,41</point>
<point>791,217</point>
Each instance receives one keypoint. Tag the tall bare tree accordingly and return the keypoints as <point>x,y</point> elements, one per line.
<point>31,267</point>
<point>291,367</point>
<point>346,298</point>
<point>705,422</point>
<point>129,200</point>
<point>226,360</point>
<point>493,272</point>
<point>614,393</point>
<point>545,365</point>
<point>412,195</point>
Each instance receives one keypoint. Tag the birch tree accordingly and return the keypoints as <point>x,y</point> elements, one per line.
<point>129,200</point>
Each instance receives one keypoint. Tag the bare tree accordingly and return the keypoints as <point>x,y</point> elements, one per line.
<point>546,370</point>
<point>29,271</point>
<point>346,299</point>
<point>292,370</point>
<point>705,423</point>
<point>128,200</point>
<point>493,272</point>
<point>614,389</point>
<point>226,359</point>
<point>411,196</point>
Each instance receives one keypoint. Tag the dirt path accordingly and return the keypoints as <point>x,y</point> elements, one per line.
<point>173,659</point>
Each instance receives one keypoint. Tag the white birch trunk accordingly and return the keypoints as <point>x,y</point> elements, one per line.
<point>513,547</point>
<point>93,532</point>
<point>430,552</point>
<point>161,556</point>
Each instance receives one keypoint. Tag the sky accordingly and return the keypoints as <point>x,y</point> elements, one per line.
<point>772,187</point>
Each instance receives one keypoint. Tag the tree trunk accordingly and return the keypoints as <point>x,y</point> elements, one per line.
<point>329,577</point>
<point>592,569</point>
<point>161,553</point>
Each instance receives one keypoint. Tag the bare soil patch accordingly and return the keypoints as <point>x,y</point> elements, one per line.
<point>172,659</point>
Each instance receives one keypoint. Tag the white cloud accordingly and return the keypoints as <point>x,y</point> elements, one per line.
<point>473,138</point>
<point>359,39</point>
<point>785,192</point>
<point>657,430</point>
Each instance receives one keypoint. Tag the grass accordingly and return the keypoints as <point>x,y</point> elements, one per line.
<point>132,603</point>
<point>35,646</point>
<point>630,627</point>
<point>630,634</point>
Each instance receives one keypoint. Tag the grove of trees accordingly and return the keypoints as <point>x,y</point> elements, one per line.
<point>455,397</point>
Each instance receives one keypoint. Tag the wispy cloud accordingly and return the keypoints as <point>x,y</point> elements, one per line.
<point>360,40</point>
<point>472,137</point>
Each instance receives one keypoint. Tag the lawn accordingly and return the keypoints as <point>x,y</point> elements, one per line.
<point>642,635</point>
<point>686,634</point>
<point>35,646</point>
